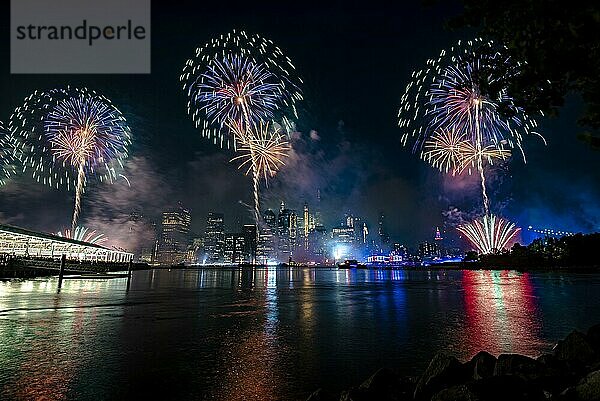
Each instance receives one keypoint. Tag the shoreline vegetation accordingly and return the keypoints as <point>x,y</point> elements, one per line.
<point>571,372</point>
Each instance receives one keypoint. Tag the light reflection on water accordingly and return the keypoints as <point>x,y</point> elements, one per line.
<point>268,333</point>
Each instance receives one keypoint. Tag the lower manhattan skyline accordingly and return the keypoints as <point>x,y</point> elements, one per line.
<point>300,201</point>
<point>345,155</point>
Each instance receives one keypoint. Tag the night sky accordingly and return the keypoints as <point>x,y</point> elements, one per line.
<point>355,62</point>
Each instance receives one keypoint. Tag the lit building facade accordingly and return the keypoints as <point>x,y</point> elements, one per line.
<point>174,239</point>
<point>250,242</point>
<point>214,238</point>
<point>267,238</point>
<point>16,241</point>
<point>235,250</point>
<point>287,230</point>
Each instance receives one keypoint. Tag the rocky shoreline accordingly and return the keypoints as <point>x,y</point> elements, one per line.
<point>570,373</point>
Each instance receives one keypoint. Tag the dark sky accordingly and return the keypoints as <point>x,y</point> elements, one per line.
<point>355,59</point>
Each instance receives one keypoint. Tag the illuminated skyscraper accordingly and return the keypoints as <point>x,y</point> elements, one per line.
<point>214,238</point>
<point>250,245</point>
<point>384,238</point>
<point>235,248</point>
<point>174,238</point>
<point>267,240</point>
<point>306,225</point>
<point>287,230</point>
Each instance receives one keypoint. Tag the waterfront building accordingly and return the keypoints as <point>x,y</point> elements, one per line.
<point>20,242</point>
<point>214,238</point>
<point>174,237</point>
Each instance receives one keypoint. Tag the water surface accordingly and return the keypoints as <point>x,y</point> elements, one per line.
<point>269,333</point>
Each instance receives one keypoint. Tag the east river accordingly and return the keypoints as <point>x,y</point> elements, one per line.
<point>269,334</point>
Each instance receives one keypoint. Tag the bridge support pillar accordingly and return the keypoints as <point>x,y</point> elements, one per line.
<point>63,261</point>
<point>129,268</point>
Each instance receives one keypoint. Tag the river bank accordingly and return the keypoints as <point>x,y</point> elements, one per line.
<point>28,268</point>
<point>571,372</point>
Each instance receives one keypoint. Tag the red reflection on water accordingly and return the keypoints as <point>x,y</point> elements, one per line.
<point>502,314</point>
<point>251,355</point>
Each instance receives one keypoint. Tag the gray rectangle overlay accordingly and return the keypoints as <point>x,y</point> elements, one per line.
<point>80,37</point>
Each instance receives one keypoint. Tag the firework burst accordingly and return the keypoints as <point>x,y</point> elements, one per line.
<point>236,84</point>
<point>262,149</point>
<point>65,136</point>
<point>83,234</point>
<point>453,153</point>
<point>464,95</point>
<point>7,168</point>
<point>239,77</point>
<point>265,148</point>
<point>465,89</point>
<point>489,233</point>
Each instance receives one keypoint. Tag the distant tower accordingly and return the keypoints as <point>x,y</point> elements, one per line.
<point>384,239</point>
<point>318,221</point>
<point>438,235</point>
<point>306,218</point>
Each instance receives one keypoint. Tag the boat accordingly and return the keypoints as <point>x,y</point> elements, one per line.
<point>351,264</point>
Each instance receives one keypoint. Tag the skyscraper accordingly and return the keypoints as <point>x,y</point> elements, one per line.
<point>174,238</point>
<point>287,229</point>
<point>250,245</point>
<point>214,238</point>
<point>235,248</point>
<point>267,240</point>
<point>384,238</point>
<point>306,225</point>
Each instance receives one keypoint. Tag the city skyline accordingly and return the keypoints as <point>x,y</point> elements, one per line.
<point>346,147</point>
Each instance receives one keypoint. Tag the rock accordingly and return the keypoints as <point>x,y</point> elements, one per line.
<point>517,365</point>
<point>593,337</point>
<point>501,388</point>
<point>588,389</point>
<point>380,381</point>
<point>443,371</point>
<point>482,365</point>
<point>575,347</point>
<point>456,393</point>
<point>320,395</point>
<point>555,375</point>
<point>355,394</point>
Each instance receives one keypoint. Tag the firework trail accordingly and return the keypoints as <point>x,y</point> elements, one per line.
<point>242,78</point>
<point>83,234</point>
<point>262,151</point>
<point>66,135</point>
<point>235,85</point>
